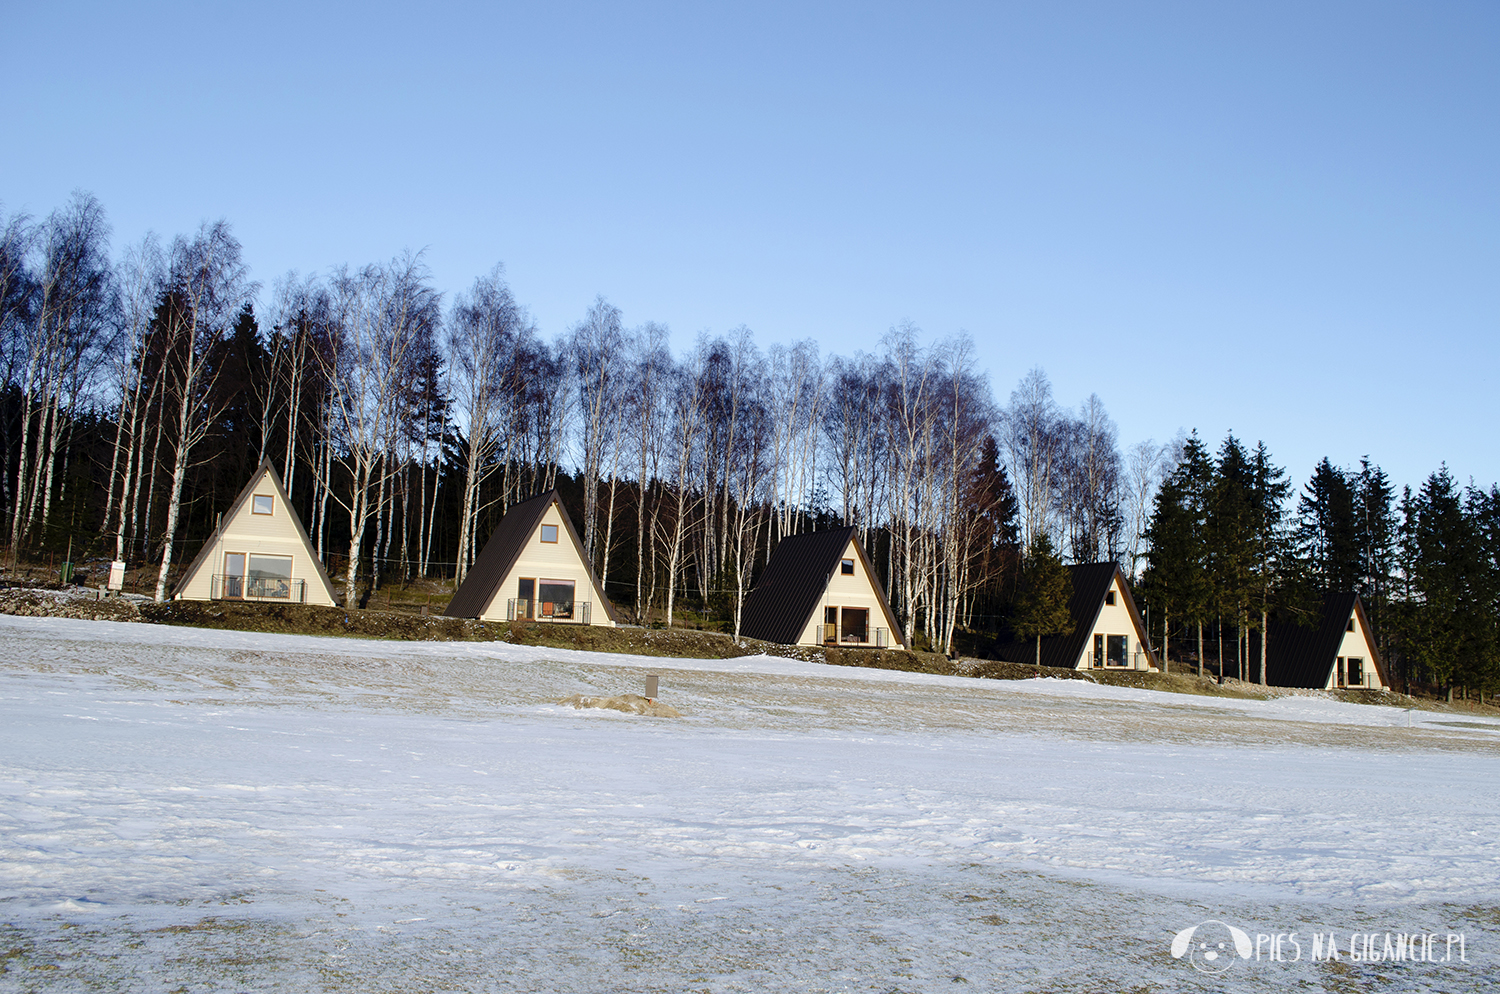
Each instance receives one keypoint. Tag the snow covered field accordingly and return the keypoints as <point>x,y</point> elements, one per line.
<point>204,810</point>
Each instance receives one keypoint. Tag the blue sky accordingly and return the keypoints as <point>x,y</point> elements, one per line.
<point>1277,219</point>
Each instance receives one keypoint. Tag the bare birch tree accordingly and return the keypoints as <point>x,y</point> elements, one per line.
<point>689,401</point>
<point>596,347</point>
<point>913,381</point>
<point>208,285</point>
<point>141,276</point>
<point>1030,436</point>
<point>16,285</point>
<point>1145,465</point>
<point>1088,483</point>
<point>483,331</point>
<point>651,376</point>
<point>795,396</point>
<point>300,319</point>
<point>74,307</point>
<point>854,428</point>
<point>968,419</point>
<point>380,316</point>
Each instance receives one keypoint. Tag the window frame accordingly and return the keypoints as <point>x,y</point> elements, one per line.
<point>270,500</point>
<point>236,581</point>
<point>285,581</point>
<point>554,539</point>
<point>846,567</point>
<point>572,604</point>
<point>864,625</point>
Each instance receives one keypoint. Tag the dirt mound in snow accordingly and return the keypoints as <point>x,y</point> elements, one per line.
<point>994,669</point>
<point>905,660</point>
<point>629,703</point>
<point>309,619</point>
<point>67,604</point>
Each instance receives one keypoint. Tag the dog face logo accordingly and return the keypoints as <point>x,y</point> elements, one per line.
<point>1211,946</point>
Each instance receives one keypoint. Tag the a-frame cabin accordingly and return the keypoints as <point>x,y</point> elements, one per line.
<point>819,589</point>
<point>533,568</point>
<point>258,552</point>
<point>1107,630</point>
<point>1335,651</point>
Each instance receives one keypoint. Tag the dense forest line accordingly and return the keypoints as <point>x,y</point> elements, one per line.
<point>140,391</point>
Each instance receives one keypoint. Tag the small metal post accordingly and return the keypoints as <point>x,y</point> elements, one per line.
<point>652,686</point>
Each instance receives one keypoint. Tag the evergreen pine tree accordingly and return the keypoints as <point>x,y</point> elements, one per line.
<point>1273,563</point>
<point>1175,581</point>
<point>1327,536</point>
<point>1375,534</point>
<point>1231,542</point>
<point>1445,620</point>
<point>1042,604</point>
<point>1482,510</point>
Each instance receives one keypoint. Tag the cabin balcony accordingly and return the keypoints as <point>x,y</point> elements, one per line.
<point>848,635</point>
<point>1138,660</point>
<point>563,612</point>
<point>258,588</point>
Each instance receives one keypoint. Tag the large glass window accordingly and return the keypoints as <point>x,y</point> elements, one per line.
<point>234,575</point>
<point>556,598</point>
<point>1119,650</point>
<point>1356,671</point>
<point>856,624</point>
<point>269,576</point>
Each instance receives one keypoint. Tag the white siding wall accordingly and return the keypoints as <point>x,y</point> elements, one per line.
<point>550,561</point>
<point>1114,619</point>
<point>857,591</point>
<point>273,534</point>
<point>1356,644</point>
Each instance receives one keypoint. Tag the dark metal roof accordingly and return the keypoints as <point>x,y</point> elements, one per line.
<point>1303,655</point>
<point>494,562</point>
<point>234,508</point>
<point>1090,583</point>
<point>793,582</point>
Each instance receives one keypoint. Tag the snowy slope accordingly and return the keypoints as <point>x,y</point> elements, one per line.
<point>239,810</point>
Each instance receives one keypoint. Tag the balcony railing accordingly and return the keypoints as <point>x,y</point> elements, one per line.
<point>258,588</point>
<point>516,609</point>
<point>878,638</point>
<point>1095,662</point>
